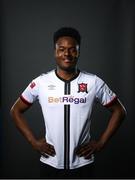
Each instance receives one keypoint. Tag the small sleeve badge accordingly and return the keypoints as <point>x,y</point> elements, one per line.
<point>32,85</point>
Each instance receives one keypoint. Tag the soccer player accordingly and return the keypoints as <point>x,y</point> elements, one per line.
<point>66,96</point>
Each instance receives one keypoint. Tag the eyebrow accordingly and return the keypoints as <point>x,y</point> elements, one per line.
<point>76,46</point>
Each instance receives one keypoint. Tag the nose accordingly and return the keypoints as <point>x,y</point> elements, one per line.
<point>66,52</point>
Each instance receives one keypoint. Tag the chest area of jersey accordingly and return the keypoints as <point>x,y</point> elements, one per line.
<point>66,93</point>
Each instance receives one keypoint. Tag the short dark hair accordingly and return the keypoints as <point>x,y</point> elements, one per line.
<point>67,31</point>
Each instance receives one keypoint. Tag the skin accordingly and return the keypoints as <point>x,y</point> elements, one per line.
<point>66,54</point>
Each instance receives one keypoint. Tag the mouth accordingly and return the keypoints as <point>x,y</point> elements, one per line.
<point>68,60</point>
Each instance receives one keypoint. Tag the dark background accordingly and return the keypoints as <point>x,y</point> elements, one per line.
<point>108,31</point>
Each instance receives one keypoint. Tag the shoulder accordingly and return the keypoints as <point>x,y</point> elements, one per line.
<point>92,78</point>
<point>88,76</point>
<point>47,75</point>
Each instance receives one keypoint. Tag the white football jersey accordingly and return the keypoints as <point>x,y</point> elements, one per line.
<point>66,107</point>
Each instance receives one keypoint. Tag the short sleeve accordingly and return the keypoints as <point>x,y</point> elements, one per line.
<point>103,93</point>
<point>30,94</point>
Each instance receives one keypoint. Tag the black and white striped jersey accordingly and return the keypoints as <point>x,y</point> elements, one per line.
<point>67,107</point>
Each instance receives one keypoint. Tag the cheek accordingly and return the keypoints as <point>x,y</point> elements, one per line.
<point>58,55</point>
<point>75,54</point>
<point>58,58</point>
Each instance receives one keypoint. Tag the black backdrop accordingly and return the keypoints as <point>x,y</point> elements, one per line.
<point>108,31</point>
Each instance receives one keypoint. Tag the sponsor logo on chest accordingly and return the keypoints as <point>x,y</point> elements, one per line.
<point>67,100</point>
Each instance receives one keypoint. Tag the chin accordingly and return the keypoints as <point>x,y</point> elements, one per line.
<point>68,69</point>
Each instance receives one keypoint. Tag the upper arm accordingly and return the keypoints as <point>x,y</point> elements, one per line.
<point>19,106</point>
<point>117,106</point>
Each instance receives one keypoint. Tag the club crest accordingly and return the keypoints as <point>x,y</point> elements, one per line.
<point>82,87</point>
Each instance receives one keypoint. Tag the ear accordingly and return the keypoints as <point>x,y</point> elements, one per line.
<point>54,51</point>
<point>78,53</point>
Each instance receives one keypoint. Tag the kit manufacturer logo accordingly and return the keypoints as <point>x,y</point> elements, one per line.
<point>51,87</point>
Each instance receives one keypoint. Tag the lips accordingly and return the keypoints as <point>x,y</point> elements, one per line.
<point>68,60</point>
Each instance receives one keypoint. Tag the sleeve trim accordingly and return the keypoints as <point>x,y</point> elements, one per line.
<point>111,102</point>
<point>25,101</point>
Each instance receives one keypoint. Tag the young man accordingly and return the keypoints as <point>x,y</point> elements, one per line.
<point>66,96</point>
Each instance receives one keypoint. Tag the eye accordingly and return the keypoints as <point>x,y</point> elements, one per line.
<point>61,49</point>
<point>73,50</point>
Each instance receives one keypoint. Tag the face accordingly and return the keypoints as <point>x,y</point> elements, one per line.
<point>66,53</point>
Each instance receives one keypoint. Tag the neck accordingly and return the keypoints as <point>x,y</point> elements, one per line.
<point>67,75</point>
